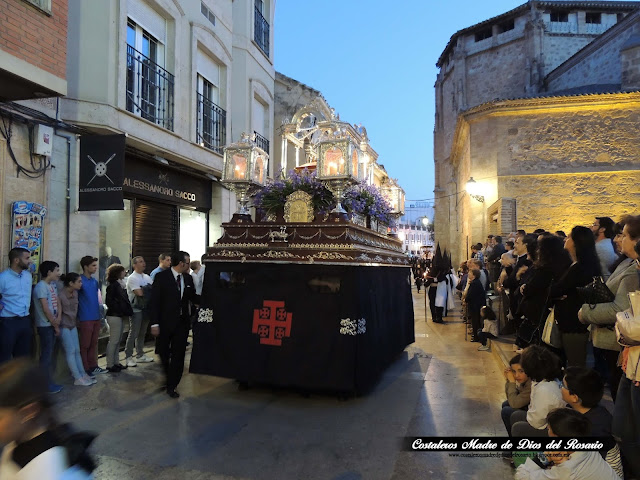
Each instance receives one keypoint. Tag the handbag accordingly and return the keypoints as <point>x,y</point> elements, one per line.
<point>551,333</point>
<point>596,292</point>
<point>627,329</point>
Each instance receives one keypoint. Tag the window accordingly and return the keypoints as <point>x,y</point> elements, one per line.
<point>42,5</point>
<point>559,16</point>
<point>208,13</point>
<point>212,119</point>
<point>591,17</point>
<point>261,27</point>
<point>484,34</point>
<point>506,26</point>
<point>149,85</point>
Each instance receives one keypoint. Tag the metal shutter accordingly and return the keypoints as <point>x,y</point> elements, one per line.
<point>155,231</point>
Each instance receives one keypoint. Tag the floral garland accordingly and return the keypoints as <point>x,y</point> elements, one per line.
<point>367,200</point>
<point>273,196</point>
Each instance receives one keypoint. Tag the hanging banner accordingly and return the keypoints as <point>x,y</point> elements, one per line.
<point>27,221</point>
<point>101,172</point>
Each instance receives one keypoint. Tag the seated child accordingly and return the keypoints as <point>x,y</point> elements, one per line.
<point>489,329</point>
<point>543,368</point>
<point>518,389</point>
<point>565,422</point>
<point>582,389</point>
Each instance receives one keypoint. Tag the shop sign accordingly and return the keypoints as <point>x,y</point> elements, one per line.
<point>169,185</point>
<point>101,172</point>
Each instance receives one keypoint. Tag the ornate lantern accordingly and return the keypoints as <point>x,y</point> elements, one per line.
<point>245,169</point>
<point>395,196</point>
<point>338,164</point>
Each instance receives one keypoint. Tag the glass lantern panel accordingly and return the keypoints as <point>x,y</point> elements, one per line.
<point>258,171</point>
<point>333,162</point>
<point>239,167</point>
<point>354,163</point>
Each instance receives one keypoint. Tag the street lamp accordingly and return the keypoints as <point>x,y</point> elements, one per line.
<point>472,190</point>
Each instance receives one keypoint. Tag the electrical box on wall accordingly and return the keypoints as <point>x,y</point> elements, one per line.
<point>43,140</point>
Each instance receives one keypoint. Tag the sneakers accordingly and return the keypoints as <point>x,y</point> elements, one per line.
<point>114,369</point>
<point>53,388</point>
<point>83,381</point>
<point>130,362</point>
<point>483,348</point>
<point>98,370</point>
<point>91,379</point>
<point>144,359</point>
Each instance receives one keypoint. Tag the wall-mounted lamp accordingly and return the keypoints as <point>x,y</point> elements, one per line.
<point>472,190</point>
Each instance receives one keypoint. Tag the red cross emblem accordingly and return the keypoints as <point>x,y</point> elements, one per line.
<point>272,323</point>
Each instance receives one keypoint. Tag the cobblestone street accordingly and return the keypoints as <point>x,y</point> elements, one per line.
<point>439,386</point>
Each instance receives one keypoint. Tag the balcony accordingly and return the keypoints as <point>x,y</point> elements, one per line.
<point>149,89</point>
<point>262,142</point>
<point>261,31</point>
<point>211,123</point>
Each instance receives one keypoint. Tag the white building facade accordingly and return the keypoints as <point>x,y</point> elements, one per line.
<point>181,79</point>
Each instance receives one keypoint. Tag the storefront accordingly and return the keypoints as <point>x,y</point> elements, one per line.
<point>164,210</point>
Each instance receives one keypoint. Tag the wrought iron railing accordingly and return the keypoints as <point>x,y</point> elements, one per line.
<point>211,123</point>
<point>261,31</point>
<point>262,142</point>
<point>149,89</point>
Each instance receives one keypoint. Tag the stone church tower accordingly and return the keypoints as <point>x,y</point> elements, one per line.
<point>512,113</point>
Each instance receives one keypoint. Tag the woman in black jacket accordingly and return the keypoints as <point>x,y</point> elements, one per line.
<point>118,312</point>
<point>551,262</point>
<point>581,247</point>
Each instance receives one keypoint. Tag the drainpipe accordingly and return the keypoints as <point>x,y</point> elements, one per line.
<point>68,193</point>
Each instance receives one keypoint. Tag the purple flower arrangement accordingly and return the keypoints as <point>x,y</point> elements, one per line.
<point>273,196</point>
<point>367,200</point>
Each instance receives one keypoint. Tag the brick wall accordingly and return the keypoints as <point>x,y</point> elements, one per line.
<point>31,35</point>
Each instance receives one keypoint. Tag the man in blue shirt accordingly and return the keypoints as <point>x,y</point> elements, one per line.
<point>89,316</point>
<point>164,262</point>
<point>15,324</point>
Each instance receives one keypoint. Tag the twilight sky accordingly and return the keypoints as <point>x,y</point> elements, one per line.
<point>374,62</point>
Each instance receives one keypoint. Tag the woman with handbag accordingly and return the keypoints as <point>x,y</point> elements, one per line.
<point>581,247</point>
<point>118,311</point>
<point>626,412</point>
<point>602,316</point>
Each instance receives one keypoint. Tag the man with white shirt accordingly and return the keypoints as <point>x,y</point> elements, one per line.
<point>15,323</point>
<point>602,229</point>
<point>139,321</point>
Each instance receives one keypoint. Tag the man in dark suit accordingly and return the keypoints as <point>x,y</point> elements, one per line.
<point>170,307</point>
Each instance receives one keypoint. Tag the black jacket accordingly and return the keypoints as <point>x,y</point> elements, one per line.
<point>166,308</point>
<point>497,252</point>
<point>476,297</point>
<point>117,301</point>
<point>566,310</point>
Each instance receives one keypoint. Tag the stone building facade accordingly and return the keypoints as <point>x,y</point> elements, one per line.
<point>532,105</point>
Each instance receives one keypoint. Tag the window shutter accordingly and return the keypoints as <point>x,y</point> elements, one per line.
<point>148,19</point>
<point>208,68</point>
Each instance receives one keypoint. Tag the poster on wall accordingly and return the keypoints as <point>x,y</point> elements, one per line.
<point>101,172</point>
<point>27,220</point>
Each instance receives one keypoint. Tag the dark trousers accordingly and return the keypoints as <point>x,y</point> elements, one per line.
<point>609,358</point>
<point>171,346</point>
<point>47,342</point>
<point>15,338</point>
<point>626,423</point>
<point>506,412</point>
<point>475,320</point>
<point>432,302</point>
<point>482,336</point>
